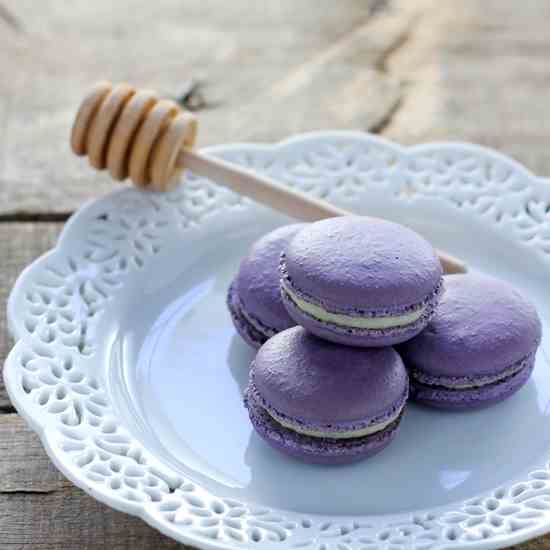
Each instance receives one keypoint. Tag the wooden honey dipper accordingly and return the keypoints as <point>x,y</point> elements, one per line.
<point>132,133</point>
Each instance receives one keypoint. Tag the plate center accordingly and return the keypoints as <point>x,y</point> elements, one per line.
<point>185,371</point>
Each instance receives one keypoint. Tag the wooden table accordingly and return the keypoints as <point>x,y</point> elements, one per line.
<point>412,71</point>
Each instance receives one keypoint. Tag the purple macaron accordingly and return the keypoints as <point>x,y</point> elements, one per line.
<point>478,349</point>
<point>360,281</point>
<point>254,297</point>
<point>325,403</point>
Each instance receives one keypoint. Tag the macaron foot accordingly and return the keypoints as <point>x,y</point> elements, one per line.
<point>315,450</point>
<point>246,330</point>
<point>325,403</point>
<point>478,397</point>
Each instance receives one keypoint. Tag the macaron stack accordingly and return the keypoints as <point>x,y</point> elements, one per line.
<point>325,302</point>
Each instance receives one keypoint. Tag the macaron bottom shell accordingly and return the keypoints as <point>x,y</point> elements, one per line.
<point>363,337</point>
<point>316,450</point>
<point>249,333</point>
<point>471,398</point>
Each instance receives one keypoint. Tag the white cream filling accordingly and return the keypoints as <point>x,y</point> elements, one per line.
<point>355,322</point>
<point>337,435</point>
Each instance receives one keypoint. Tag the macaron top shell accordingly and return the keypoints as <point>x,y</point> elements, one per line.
<point>482,327</point>
<point>361,262</point>
<point>303,377</point>
<point>257,283</point>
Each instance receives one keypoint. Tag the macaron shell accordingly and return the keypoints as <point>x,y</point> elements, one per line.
<point>354,263</point>
<point>304,377</point>
<point>258,280</point>
<point>247,332</point>
<point>368,338</point>
<point>482,327</point>
<point>317,450</point>
<point>476,398</point>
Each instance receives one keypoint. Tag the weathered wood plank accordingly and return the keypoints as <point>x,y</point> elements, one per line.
<point>40,509</point>
<point>20,244</point>
<point>540,543</point>
<point>24,466</point>
<point>479,73</point>
<point>270,69</point>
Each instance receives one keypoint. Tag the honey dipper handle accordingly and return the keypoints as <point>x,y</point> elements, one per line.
<point>284,199</point>
<point>259,188</point>
<point>132,133</point>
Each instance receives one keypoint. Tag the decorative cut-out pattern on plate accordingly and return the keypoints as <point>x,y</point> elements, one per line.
<point>58,305</point>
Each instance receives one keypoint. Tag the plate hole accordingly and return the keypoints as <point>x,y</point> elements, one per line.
<point>485,532</point>
<point>195,501</point>
<point>452,534</point>
<point>517,490</point>
<point>255,535</point>
<point>152,482</point>
<point>170,506</point>
<point>496,521</point>
<point>217,507</point>
<point>131,483</point>
<point>155,494</point>
<point>57,407</point>
<point>132,471</point>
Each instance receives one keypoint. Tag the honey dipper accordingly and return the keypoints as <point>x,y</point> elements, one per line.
<point>132,133</point>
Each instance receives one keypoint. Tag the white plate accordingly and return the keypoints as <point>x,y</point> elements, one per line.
<point>128,367</point>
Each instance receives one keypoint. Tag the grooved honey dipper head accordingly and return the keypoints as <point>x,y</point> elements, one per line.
<point>133,134</point>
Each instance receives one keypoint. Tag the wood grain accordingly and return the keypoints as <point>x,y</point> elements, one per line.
<point>481,74</point>
<point>270,69</point>
<point>20,244</point>
<point>40,509</point>
<point>24,466</point>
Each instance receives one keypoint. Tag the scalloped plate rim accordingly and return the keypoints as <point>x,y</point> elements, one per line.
<point>109,497</point>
